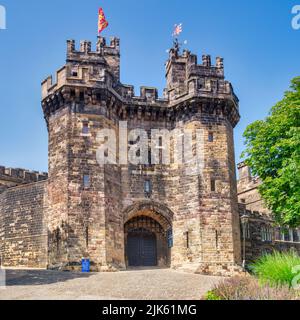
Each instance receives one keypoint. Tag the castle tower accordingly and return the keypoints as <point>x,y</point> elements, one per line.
<point>128,214</point>
<point>208,217</point>
<point>75,107</point>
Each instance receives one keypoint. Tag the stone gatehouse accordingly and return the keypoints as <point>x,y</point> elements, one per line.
<point>122,215</point>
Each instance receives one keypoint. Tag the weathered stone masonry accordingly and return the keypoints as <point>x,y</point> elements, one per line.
<point>23,226</point>
<point>105,213</point>
<point>90,221</point>
<point>263,234</point>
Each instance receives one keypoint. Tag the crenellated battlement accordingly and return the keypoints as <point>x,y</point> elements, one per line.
<point>206,68</point>
<point>21,176</point>
<point>85,67</point>
<point>90,76</point>
<point>147,94</point>
<point>101,47</point>
<point>185,77</point>
<point>106,55</point>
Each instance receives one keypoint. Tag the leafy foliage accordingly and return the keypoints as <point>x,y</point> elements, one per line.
<point>273,154</point>
<point>276,269</point>
<point>210,295</point>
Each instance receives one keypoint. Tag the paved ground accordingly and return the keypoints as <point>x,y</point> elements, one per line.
<point>136,284</point>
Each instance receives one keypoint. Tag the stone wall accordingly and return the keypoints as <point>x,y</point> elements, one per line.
<point>11,177</point>
<point>258,219</point>
<point>23,226</point>
<point>248,193</point>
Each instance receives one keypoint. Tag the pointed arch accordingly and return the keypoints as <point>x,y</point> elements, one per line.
<point>157,211</point>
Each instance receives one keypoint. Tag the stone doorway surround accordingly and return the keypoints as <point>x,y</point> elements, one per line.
<point>154,218</point>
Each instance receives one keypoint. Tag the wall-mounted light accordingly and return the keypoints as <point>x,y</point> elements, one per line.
<point>244,222</point>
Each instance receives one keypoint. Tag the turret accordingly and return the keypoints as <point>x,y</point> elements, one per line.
<point>186,77</point>
<point>87,67</point>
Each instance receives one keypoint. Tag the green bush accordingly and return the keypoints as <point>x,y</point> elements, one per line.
<point>276,269</point>
<point>210,295</point>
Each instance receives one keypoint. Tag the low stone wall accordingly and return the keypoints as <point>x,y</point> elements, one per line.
<point>23,229</point>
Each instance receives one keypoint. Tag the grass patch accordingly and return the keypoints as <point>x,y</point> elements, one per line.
<point>276,269</point>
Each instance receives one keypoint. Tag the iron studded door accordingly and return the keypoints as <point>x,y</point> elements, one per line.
<point>141,249</point>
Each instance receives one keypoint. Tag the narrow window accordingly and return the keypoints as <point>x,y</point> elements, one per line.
<point>160,150</point>
<point>147,188</point>
<point>170,238</point>
<point>213,185</point>
<point>266,234</point>
<point>149,156</point>
<point>86,181</point>
<point>270,234</point>
<point>286,235</point>
<point>87,236</point>
<point>295,235</point>
<point>57,239</point>
<point>217,239</point>
<point>187,239</point>
<point>85,128</point>
<point>72,93</point>
<point>263,231</point>
<point>81,96</point>
<point>210,137</point>
<point>277,234</point>
<point>291,235</point>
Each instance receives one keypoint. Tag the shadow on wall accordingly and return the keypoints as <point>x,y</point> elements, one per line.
<point>58,247</point>
<point>40,277</point>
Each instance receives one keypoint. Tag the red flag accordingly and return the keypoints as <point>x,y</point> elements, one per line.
<point>102,23</point>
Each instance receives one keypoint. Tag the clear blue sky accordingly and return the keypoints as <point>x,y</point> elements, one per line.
<point>260,48</point>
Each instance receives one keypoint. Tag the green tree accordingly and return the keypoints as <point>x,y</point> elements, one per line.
<point>273,153</point>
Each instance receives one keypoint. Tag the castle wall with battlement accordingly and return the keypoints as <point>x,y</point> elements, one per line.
<point>88,73</point>
<point>11,177</point>
<point>23,226</point>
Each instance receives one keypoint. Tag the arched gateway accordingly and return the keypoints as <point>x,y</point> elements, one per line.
<point>148,235</point>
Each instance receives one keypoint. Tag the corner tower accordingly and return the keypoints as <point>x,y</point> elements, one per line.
<point>75,107</point>
<point>207,228</point>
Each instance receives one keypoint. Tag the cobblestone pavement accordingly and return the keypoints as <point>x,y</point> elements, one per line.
<point>132,284</point>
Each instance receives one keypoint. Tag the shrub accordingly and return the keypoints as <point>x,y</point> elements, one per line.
<point>276,269</point>
<point>210,295</point>
<point>249,288</point>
